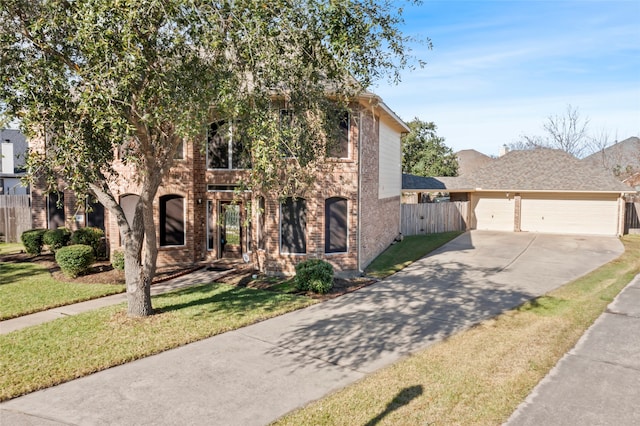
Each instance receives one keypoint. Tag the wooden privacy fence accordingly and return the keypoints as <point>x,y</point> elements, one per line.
<point>15,217</point>
<point>632,218</point>
<point>433,218</point>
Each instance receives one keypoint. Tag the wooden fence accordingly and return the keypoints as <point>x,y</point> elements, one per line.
<point>632,218</point>
<point>433,218</point>
<point>15,216</point>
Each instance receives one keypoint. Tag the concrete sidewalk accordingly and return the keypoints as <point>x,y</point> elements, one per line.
<point>598,381</point>
<point>254,375</point>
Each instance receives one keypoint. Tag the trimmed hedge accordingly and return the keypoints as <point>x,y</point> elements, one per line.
<point>93,237</point>
<point>315,275</point>
<point>56,238</point>
<point>75,259</point>
<point>32,240</point>
<point>117,260</point>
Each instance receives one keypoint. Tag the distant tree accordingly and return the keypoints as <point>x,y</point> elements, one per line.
<point>424,152</point>
<point>568,132</point>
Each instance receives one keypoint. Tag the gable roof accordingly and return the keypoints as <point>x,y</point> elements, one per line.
<point>469,160</point>
<point>537,170</point>
<point>543,170</point>
<point>622,155</point>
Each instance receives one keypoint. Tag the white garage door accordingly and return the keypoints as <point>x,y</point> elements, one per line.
<point>573,214</point>
<point>494,212</point>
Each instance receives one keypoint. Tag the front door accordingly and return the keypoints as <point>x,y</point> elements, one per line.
<point>230,230</point>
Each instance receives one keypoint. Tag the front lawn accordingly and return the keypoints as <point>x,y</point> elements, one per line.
<point>480,376</point>
<point>61,350</point>
<point>27,287</point>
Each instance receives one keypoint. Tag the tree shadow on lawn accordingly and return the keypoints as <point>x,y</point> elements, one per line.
<point>404,397</point>
<point>220,298</point>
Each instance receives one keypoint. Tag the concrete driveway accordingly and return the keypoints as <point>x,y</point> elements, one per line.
<point>256,374</point>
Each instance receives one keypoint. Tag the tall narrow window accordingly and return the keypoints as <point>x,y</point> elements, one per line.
<point>218,145</point>
<point>293,226</point>
<point>261,223</point>
<point>335,225</point>
<point>226,147</point>
<point>211,226</point>
<point>171,220</point>
<point>95,217</point>
<point>55,210</point>
<point>339,147</point>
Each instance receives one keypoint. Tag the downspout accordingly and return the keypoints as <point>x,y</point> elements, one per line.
<point>359,242</point>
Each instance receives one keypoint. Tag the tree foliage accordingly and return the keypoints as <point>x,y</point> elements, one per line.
<point>424,152</point>
<point>94,78</point>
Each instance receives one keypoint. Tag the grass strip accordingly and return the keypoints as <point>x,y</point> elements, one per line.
<point>407,251</point>
<point>11,248</point>
<point>58,351</point>
<point>27,288</point>
<point>480,376</point>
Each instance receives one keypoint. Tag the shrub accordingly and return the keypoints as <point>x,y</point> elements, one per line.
<point>315,275</point>
<point>93,237</point>
<point>75,259</point>
<point>32,240</point>
<point>117,260</point>
<point>56,238</point>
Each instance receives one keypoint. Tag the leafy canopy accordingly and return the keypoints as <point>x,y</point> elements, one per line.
<point>88,75</point>
<point>424,152</point>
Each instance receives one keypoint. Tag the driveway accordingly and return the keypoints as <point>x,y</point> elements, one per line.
<point>256,374</point>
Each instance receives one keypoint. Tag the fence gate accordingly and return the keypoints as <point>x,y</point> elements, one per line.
<point>15,216</point>
<point>632,218</point>
<point>433,218</point>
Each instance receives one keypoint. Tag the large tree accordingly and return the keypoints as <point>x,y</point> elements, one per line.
<point>424,152</point>
<point>86,76</point>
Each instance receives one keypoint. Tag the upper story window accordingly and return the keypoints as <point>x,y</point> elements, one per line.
<point>225,147</point>
<point>338,146</point>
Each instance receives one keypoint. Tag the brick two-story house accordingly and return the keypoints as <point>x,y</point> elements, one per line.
<point>349,216</point>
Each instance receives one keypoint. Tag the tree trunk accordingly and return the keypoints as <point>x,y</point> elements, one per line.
<point>138,284</point>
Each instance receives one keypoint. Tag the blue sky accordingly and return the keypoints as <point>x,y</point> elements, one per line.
<point>498,69</point>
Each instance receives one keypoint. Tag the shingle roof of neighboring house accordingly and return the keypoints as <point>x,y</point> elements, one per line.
<point>469,160</point>
<point>414,182</point>
<point>543,170</point>
<point>529,170</point>
<point>621,154</point>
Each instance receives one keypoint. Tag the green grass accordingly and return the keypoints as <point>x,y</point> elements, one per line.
<point>480,376</point>
<point>27,288</point>
<point>410,249</point>
<point>11,248</point>
<point>58,351</point>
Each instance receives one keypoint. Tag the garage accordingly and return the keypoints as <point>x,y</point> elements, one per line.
<point>493,211</point>
<point>570,213</point>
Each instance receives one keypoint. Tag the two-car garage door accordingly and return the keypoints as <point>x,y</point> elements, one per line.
<point>594,214</point>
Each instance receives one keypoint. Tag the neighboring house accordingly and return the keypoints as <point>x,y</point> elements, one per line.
<point>470,160</point>
<point>13,147</point>
<point>349,217</point>
<point>541,190</point>
<point>622,159</point>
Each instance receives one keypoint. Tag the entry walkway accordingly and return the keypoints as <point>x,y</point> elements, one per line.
<point>256,374</point>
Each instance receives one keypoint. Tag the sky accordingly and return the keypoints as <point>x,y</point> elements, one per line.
<point>499,69</point>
